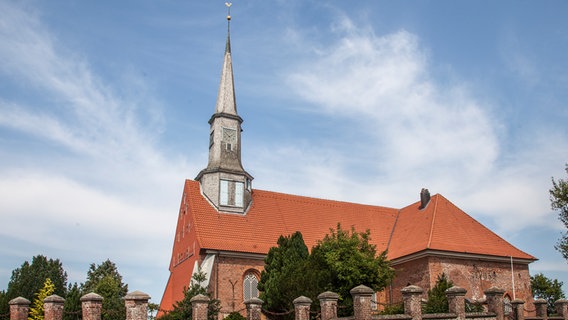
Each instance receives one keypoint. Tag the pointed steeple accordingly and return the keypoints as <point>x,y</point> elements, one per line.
<point>224,182</point>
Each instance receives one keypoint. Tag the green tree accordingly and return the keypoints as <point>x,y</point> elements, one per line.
<point>559,201</point>
<point>4,307</point>
<point>437,300</point>
<point>27,280</point>
<point>182,309</point>
<point>36,311</point>
<point>72,305</point>
<point>547,289</point>
<point>345,259</point>
<point>283,278</point>
<point>106,281</point>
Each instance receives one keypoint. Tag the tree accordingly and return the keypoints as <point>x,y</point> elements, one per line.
<point>283,277</point>
<point>182,309</point>
<point>345,259</point>
<point>106,281</point>
<point>27,280</point>
<point>36,311</point>
<point>72,305</point>
<point>437,300</point>
<point>559,201</point>
<point>547,289</point>
<point>4,307</point>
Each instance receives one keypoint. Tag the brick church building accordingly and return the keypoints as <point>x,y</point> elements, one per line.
<point>226,227</point>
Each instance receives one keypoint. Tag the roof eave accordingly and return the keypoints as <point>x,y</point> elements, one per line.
<point>459,255</point>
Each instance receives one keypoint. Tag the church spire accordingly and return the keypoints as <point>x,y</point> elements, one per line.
<point>224,182</point>
<point>226,102</point>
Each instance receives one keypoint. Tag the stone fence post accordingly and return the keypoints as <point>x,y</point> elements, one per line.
<point>562,308</point>
<point>495,302</point>
<point>362,302</point>
<point>540,306</point>
<point>518,309</point>
<point>92,306</point>
<point>254,308</point>
<point>199,305</point>
<point>412,298</point>
<point>136,304</point>
<point>456,301</point>
<point>53,307</point>
<point>19,308</point>
<point>302,308</point>
<point>328,303</point>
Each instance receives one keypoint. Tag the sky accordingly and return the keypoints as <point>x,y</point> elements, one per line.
<point>104,108</point>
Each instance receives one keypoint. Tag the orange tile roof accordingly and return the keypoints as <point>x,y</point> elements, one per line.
<point>440,226</point>
<point>445,227</point>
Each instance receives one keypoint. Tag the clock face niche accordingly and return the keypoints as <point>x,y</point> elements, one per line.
<point>230,138</point>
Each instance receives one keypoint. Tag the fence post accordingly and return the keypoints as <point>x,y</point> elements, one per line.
<point>518,309</point>
<point>540,306</point>
<point>136,304</point>
<point>92,305</point>
<point>562,308</point>
<point>412,298</point>
<point>253,308</point>
<point>302,308</point>
<point>199,305</point>
<point>19,308</point>
<point>328,304</point>
<point>53,307</point>
<point>362,302</point>
<point>495,302</point>
<point>456,301</point>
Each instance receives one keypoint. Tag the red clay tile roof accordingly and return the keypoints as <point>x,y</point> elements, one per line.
<point>440,226</point>
<point>445,227</point>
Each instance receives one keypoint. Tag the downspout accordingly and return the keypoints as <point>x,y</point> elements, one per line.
<point>513,278</point>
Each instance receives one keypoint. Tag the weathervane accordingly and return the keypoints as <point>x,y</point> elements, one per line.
<point>228,4</point>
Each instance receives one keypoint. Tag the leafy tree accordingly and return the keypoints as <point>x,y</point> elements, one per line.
<point>235,316</point>
<point>27,280</point>
<point>283,278</point>
<point>72,305</point>
<point>182,309</point>
<point>4,307</point>
<point>345,259</point>
<point>36,311</point>
<point>437,300</point>
<point>106,281</point>
<point>152,310</point>
<point>547,289</point>
<point>559,201</point>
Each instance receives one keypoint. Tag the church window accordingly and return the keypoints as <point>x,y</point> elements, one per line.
<point>507,306</point>
<point>211,138</point>
<point>231,193</point>
<point>250,286</point>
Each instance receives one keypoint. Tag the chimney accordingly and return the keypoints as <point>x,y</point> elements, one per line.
<point>424,198</point>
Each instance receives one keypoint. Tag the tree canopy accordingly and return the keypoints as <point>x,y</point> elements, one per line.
<point>28,279</point>
<point>105,280</point>
<point>547,289</point>
<point>559,201</point>
<point>283,278</point>
<point>340,261</point>
<point>437,300</point>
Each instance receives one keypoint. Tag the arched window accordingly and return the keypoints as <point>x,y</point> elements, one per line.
<point>507,304</point>
<point>250,284</point>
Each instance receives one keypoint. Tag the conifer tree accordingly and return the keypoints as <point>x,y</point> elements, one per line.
<point>437,300</point>
<point>36,311</point>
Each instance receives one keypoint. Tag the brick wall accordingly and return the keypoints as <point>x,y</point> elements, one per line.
<point>475,275</point>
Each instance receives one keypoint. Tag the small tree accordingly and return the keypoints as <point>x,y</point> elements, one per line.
<point>437,300</point>
<point>36,311</point>
<point>105,280</point>
<point>72,305</point>
<point>547,289</point>
<point>559,201</point>
<point>345,259</point>
<point>283,277</point>
<point>182,309</point>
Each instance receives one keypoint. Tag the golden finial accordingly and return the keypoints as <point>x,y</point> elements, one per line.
<point>228,4</point>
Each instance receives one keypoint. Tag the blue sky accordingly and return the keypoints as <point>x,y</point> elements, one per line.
<point>104,108</point>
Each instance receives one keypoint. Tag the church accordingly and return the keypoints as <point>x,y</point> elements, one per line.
<point>225,227</point>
